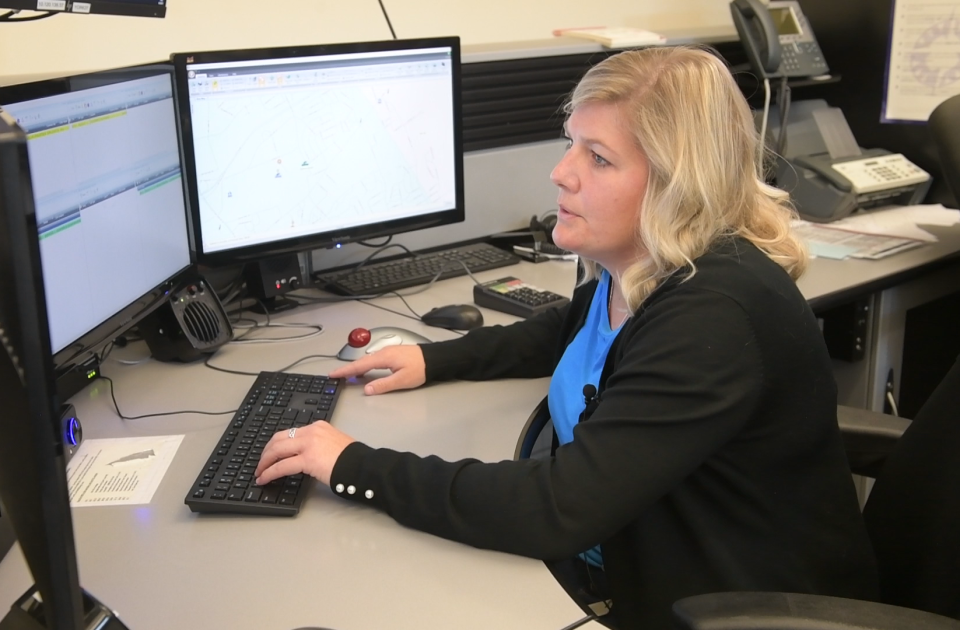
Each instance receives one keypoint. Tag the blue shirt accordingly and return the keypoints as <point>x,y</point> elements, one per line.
<point>582,363</point>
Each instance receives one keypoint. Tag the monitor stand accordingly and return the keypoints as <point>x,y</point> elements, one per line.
<point>27,614</point>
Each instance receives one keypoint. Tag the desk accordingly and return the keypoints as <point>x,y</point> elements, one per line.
<point>339,564</point>
<point>336,564</point>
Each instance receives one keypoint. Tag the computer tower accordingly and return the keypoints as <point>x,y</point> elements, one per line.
<point>189,326</point>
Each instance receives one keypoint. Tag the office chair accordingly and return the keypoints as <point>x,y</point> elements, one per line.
<point>913,518</point>
<point>944,126</point>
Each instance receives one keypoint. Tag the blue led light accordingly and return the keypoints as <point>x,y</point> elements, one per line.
<point>72,430</point>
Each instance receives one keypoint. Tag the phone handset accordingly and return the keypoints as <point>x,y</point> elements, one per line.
<point>759,36</point>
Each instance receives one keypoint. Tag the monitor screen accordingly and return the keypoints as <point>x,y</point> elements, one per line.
<point>105,160</point>
<point>142,8</point>
<point>295,149</point>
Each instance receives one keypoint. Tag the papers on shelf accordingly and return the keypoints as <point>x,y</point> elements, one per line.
<point>120,471</point>
<point>875,234</point>
<point>921,60</point>
<point>614,37</point>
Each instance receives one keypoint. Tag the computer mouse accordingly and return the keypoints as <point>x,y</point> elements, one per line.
<point>361,341</point>
<point>454,317</point>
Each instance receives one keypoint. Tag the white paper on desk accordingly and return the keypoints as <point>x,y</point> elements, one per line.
<point>120,471</point>
<point>903,222</point>
<point>827,241</point>
<point>922,67</point>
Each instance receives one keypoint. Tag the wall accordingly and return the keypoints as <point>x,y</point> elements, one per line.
<point>72,43</point>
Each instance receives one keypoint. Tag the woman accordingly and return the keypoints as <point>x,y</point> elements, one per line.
<point>710,457</point>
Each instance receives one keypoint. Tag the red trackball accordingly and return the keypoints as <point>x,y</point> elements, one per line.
<point>358,338</point>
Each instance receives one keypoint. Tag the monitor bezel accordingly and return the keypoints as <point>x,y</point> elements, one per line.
<point>93,7</point>
<point>90,343</point>
<point>318,240</point>
<point>33,480</point>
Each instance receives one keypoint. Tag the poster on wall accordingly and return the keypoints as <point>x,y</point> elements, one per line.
<point>923,59</point>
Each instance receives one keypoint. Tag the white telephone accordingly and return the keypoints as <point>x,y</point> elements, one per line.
<point>881,173</point>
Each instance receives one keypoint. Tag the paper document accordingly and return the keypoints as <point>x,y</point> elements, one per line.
<point>831,242</point>
<point>923,63</point>
<point>121,471</point>
<point>900,221</point>
<point>614,37</point>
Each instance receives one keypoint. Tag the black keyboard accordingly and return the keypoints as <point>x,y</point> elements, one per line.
<point>383,277</point>
<point>276,402</point>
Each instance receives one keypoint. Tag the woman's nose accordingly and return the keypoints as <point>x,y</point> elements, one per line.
<point>562,173</point>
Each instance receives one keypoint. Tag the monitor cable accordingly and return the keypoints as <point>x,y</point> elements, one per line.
<point>217,368</point>
<point>9,16</point>
<point>383,244</point>
<point>387,18</point>
<point>157,415</point>
<point>317,329</point>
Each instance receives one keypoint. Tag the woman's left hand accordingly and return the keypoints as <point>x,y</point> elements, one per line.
<point>312,450</point>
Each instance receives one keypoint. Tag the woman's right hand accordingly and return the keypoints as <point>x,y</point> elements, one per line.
<point>406,364</point>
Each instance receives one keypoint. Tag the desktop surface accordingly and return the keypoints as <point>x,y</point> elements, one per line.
<point>336,564</point>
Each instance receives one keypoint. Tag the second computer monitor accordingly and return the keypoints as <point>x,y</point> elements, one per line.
<point>292,149</point>
<point>105,159</point>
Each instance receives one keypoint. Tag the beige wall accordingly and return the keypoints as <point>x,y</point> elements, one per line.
<point>71,43</point>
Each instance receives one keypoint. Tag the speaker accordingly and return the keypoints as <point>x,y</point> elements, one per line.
<point>273,276</point>
<point>189,326</point>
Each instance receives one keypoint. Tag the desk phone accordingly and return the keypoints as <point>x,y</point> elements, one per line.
<point>881,173</point>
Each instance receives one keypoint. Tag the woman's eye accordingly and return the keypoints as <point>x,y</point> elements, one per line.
<point>599,161</point>
<point>569,142</point>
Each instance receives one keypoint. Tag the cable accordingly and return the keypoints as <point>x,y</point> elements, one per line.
<point>415,315</point>
<point>383,244</point>
<point>318,330</point>
<point>8,16</point>
<point>283,369</point>
<point>893,404</point>
<point>783,100</point>
<point>155,415</point>
<point>766,114</point>
<point>387,18</point>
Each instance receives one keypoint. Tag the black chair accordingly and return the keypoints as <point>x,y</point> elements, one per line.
<point>913,518</point>
<point>944,125</point>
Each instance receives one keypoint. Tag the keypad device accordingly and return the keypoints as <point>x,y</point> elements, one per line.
<point>514,296</point>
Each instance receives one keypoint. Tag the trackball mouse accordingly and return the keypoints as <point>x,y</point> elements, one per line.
<point>454,317</point>
<point>362,341</point>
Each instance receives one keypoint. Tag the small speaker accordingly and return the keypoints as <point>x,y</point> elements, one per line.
<point>189,326</point>
<point>272,277</point>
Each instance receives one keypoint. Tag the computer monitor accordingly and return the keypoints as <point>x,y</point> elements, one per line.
<point>33,483</point>
<point>302,148</point>
<point>142,8</point>
<point>105,160</point>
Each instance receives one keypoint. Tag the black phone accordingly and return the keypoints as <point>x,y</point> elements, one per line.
<point>778,39</point>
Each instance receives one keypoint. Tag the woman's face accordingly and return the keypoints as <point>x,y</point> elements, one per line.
<point>602,179</point>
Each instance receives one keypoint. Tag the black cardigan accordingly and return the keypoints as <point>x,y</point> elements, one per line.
<point>713,461</point>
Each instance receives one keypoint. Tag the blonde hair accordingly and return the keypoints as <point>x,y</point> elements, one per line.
<point>692,123</point>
